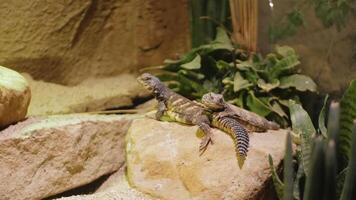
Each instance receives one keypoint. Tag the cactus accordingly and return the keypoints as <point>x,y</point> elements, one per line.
<point>326,177</point>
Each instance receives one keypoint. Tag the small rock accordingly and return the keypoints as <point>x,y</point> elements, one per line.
<point>44,156</point>
<point>163,161</point>
<point>15,97</point>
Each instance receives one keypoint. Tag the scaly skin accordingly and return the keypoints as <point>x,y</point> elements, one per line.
<point>177,107</point>
<point>237,132</point>
<point>251,121</point>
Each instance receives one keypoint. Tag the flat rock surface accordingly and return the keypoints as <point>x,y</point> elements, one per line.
<point>114,188</point>
<point>163,161</point>
<point>90,95</point>
<point>44,156</point>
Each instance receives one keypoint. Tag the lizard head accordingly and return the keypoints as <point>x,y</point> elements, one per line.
<point>150,82</point>
<point>213,101</point>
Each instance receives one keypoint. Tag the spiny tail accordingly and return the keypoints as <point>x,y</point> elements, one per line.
<point>241,140</point>
<point>239,135</point>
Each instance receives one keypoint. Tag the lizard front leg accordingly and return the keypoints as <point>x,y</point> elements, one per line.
<point>161,109</point>
<point>208,136</point>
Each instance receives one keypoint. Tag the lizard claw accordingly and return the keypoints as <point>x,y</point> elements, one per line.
<point>205,143</point>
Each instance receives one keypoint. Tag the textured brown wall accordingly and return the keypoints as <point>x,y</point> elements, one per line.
<point>65,41</point>
<point>327,55</point>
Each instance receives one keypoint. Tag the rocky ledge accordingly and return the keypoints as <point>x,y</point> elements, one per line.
<point>41,157</point>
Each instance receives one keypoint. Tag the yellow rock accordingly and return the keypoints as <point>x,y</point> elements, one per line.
<point>15,96</point>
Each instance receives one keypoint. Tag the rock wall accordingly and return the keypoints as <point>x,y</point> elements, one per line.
<point>67,41</point>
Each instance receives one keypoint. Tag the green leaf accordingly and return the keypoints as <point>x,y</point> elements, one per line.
<point>257,105</point>
<point>278,184</point>
<point>298,179</point>
<point>221,65</point>
<point>349,190</point>
<point>267,86</point>
<point>283,65</point>
<point>315,181</point>
<point>302,125</point>
<point>194,64</point>
<point>276,107</point>
<point>321,120</point>
<point>347,115</point>
<point>285,51</point>
<point>240,83</point>
<point>288,170</point>
<point>299,82</point>
<point>330,171</point>
<point>222,41</point>
<point>191,74</point>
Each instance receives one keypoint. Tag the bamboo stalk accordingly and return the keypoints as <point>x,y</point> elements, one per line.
<point>244,14</point>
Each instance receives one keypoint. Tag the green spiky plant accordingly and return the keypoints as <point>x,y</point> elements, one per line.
<point>326,158</point>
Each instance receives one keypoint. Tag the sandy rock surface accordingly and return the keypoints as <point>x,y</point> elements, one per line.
<point>41,157</point>
<point>91,95</point>
<point>15,96</point>
<point>163,161</point>
<point>115,187</point>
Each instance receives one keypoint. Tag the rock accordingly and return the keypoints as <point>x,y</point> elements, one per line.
<point>15,96</point>
<point>114,188</point>
<point>93,94</point>
<point>67,42</point>
<point>44,156</point>
<point>163,161</point>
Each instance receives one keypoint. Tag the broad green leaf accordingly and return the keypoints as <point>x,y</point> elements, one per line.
<point>257,106</point>
<point>194,64</point>
<point>240,83</point>
<point>244,65</point>
<point>299,82</point>
<point>221,65</point>
<point>222,41</point>
<point>315,181</point>
<point>278,184</point>
<point>191,74</point>
<point>347,115</point>
<point>267,86</point>
<point>288,170</point>
<point>283,65</point>
<point>285,50</point>
<point>276,107</point>
<point>302,125</point>
<point>321,120</point>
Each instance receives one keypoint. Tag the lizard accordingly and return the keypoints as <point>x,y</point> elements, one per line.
<point>250,120</point>
<point>178,108</point>
<point>183,110</point>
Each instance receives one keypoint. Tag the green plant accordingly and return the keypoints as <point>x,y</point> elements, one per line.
<point>260,84</point>
<point>320,174</point>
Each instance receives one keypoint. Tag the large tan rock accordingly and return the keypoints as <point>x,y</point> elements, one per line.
<point>15,96</point>
<point>163,161</point>
<point>68,41</point>
<point>93,94</point>
<point>41,157</point>
<point>114,188</point>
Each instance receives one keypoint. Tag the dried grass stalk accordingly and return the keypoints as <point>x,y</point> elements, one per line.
<point>244,14</point>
